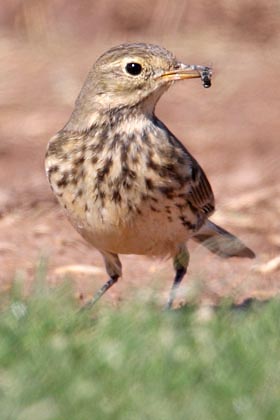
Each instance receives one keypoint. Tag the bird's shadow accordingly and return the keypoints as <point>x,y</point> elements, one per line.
<point>249,304</point>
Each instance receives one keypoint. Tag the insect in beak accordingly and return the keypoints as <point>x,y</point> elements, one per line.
<point>189,71</point>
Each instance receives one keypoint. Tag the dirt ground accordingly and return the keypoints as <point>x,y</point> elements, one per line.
<point>232,129</point>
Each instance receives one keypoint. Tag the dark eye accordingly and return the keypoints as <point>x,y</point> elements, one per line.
<point>133,68</point>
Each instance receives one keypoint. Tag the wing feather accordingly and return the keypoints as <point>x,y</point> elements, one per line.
<point>200,194</point>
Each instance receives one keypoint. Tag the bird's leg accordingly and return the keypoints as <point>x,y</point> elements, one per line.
<point>180,272</point>
<point>112,280</point>
<point>114,269</point>
<point>180,262</point>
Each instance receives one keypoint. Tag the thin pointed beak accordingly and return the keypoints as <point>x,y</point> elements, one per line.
<point>188,71</point>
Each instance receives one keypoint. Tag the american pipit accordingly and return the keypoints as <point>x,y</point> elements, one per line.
<point>126,182</point>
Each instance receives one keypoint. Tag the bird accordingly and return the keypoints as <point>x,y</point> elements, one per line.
<point>126,182</point>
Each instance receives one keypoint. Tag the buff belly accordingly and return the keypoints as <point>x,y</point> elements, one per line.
<point>113,229</point>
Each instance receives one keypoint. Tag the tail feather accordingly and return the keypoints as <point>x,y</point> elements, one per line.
<point>221,242</point>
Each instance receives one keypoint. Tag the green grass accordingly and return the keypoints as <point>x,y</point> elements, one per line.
<point>136,362</point>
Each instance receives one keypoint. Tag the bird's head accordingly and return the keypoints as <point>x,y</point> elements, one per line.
<point>133,74</point>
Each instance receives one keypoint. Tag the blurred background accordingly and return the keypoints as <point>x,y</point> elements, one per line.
<point>47,49</point>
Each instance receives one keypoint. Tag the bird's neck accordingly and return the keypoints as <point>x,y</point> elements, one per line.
<point>88,114</point>
<point>81,121</point>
